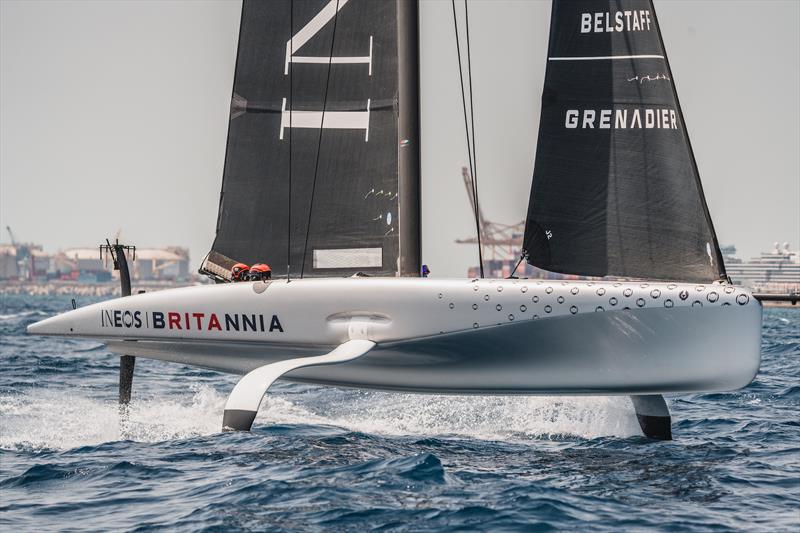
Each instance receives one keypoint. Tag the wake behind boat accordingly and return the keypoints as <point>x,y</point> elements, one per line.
<point>322,174</point>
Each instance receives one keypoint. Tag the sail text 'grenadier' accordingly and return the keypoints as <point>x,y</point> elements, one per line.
<point>662,118</point>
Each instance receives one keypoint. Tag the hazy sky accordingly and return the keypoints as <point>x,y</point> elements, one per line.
<point>113,115</point>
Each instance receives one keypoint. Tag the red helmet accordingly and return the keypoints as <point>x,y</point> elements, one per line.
<point>238,271</point>
<point>260,271</point>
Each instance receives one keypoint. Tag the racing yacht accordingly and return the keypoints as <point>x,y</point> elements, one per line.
<point>322,175</point>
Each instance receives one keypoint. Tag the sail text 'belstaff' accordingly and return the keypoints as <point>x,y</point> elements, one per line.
<point>323,141</point>
<point>616,191</point>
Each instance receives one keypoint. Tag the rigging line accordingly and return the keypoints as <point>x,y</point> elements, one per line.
<point>466,129</point>
<point>521,257</point>
<point>474,150</point>
<point>319,142</point>
<point>291,106</point>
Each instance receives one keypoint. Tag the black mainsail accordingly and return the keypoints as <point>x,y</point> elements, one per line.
<point>616,190</point>
<point>325,97</point>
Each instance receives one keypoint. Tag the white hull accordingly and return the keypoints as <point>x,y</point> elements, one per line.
<point>449,336</point>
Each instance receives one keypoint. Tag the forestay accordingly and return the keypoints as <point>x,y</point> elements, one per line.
<point>341,127</point>
<point>616,191</point>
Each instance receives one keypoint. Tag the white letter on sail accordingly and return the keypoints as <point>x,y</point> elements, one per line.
<point>588,118</point>
<point>308,31</point>
<point>572,119</point>
<point>605,119</point>
<point>649,118</point>
<point>344,120</point>
<point>586,22</point>
<point>621,118</point>
<point>323,119</point>
<point>637,117</point>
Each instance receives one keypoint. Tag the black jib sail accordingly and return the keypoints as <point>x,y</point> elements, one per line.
<point>616,191</point>
<point>324,103</point>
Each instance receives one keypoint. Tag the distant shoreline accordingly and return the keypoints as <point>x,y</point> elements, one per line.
<point>77,288</point>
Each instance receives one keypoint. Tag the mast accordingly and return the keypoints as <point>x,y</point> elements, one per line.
<point>409,208</point>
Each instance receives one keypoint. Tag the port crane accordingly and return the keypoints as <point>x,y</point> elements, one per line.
<point>24,254</point>
<point>501,242</point>
<point>11,235</point>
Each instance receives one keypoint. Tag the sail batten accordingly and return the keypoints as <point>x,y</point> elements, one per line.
<point>616,190</point>
<point>331,87</point>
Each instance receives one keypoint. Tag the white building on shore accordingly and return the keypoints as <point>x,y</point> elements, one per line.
<point>775,271</point>
<point>148,264</point>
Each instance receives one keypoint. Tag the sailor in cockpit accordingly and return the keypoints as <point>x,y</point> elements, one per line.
<point>240,272</point>
<point>257,272</point>
<point>260,272</point>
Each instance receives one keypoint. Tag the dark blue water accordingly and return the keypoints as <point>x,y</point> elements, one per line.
<point>323,458</point>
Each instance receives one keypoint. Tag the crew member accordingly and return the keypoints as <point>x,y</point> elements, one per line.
<point>260,272</point>
<point>240,272</point>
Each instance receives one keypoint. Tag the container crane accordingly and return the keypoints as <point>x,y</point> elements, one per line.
<point>500,242</point>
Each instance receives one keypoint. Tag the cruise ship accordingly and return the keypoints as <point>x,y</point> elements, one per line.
<point>776,271</point>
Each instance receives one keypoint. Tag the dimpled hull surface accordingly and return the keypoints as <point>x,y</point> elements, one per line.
<point>449,336</point>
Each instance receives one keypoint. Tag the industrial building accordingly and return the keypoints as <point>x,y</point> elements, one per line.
<point>9,269</point>
<point>29,262</point>
<point>146,264</point>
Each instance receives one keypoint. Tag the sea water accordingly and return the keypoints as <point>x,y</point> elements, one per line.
<point>327,458</point>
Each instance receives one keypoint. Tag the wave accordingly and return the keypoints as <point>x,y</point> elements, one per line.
<point>24,314</point>
<point>49,419</point>
<point>482,417</point>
